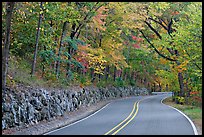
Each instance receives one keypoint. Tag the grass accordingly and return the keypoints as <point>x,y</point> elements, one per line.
<point>193,112</point>
<point>19,72</point>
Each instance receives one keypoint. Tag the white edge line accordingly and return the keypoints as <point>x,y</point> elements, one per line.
<point>77,121</point>
<point>192,124</point>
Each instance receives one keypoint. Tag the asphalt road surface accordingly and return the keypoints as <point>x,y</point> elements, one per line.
<point>140,115</point>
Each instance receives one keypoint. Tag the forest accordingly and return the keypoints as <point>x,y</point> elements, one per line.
<point>156,45</point>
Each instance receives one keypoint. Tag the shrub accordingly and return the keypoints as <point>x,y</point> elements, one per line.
<point>179,100</point>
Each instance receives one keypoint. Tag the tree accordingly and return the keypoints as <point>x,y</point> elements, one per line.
<point>9,11</point>
<point>37,39</point>
<point>145,44</point>
<point>168,45</point>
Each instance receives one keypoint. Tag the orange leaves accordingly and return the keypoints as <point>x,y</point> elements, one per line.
<point>160,48</point>
<point>175,13</point>
<point>83,47</point>
<point>99,19</point>
<point>194,92</point>
<point>163,30</point>
<point>163,61</point>
<point>152,36</point>
<point>182,66</point>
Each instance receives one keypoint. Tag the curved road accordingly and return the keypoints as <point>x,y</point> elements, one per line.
<point>140,115</point>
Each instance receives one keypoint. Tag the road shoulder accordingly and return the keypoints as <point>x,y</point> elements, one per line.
<point>197,121</point>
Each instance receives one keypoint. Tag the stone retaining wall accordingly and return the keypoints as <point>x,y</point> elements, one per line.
<point>33,105</point>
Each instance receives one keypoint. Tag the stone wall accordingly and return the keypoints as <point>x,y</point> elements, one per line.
<point>29,106</point>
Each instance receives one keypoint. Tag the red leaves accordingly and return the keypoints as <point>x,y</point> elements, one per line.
<point>100,18</point>
<point>81,58</point>
<point>134,37</point>
<point>194,92</point>
<point>152,36</point>
<point>138,40</point>
<point>136,46</point>
<point>125,42</point>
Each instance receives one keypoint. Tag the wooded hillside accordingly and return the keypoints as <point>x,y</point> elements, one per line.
<point>156,45</point>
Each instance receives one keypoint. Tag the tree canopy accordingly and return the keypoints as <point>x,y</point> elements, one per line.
<point>150,44</point>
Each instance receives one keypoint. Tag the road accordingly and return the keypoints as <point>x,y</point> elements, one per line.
<point>140,115</point>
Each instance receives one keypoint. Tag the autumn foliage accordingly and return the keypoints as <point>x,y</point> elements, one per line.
<point>146,44</point>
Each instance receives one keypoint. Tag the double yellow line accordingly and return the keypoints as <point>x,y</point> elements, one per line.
<point>133,113</point>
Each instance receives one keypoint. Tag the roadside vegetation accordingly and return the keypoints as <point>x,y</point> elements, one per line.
<point>193,112</point>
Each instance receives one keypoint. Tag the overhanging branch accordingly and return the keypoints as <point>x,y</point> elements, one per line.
<point>170,59</point>
<point>157,33</point>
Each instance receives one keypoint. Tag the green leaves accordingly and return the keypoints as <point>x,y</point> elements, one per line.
<point>77,64</point>
<point>47,55</point>
<point>103,37</point>
<point>73,42</point>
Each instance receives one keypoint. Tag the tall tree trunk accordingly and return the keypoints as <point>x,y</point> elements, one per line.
<point>43,67</point>
<point>121,73</point>
<point>37,39</point>
<point>188,90</point>
<point>55,62</point>
<point>167,87</point>
<point>73,32</point>
<point>132,76</point>
<point>99,77</point>
<point>107,72</point>
<point>9,11</point>
<point>124,75</point>
<point>60,47</point>
<point>154,87</point>
<point>181,84</point>
<point>93,76</point>
<point>160,87</point>
<point>180,77</point>
<point>91,73</point>
<point>114,73</point>
<point>100,40</point>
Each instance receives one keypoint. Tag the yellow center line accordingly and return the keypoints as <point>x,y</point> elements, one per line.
<point>122,121</point>
<point>134,107</point>
<point>128,120</point>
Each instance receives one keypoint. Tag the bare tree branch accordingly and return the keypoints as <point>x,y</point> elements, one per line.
<point>170,59</point>
<point>157,33</point>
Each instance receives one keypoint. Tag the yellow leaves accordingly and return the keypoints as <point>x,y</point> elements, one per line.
<point>163,61</point>
<point>96,60</point>
<point>63,4</point>
<point>163,30</point>
<point>182,67</point>
<point>159,48</point>
<point>97,63</point>
<point>135,17</point>
<point>41,12</point>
